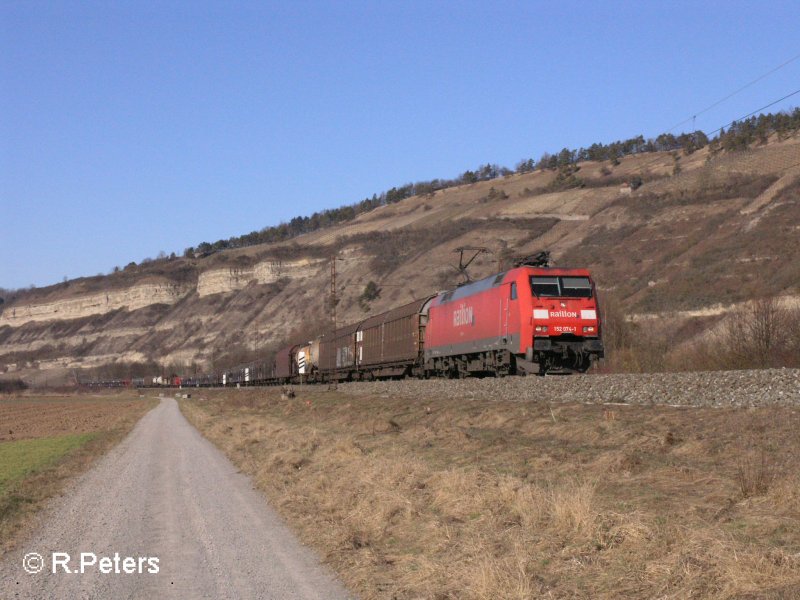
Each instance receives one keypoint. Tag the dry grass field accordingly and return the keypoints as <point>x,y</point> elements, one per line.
<point>46,440</point>
<point>486,499</point>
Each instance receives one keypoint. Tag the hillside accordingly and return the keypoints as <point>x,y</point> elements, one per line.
<point>688,244</point>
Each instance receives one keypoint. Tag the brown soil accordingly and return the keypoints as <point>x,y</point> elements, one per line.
<point>34,417</point>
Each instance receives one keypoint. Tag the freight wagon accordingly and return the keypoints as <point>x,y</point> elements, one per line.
<point>390,344</point>
<point>338,358</point>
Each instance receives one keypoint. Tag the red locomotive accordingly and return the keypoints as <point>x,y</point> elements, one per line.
<point>527,320</point>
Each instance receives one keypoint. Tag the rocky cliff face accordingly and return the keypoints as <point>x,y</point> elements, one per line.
<point>133,298</point>
<point>725,230</point>
<point>231,279</point>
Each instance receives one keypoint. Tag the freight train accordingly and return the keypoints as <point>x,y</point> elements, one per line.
<point>532,319</point>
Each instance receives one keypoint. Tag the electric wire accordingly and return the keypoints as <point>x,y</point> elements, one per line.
<point>727,97</point>
<point>732,94</point>
<point>719,129</point>
<point>758,110</point>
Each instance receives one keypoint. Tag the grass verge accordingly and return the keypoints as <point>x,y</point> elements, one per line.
<point>24,457</point>
<point>481,498</point>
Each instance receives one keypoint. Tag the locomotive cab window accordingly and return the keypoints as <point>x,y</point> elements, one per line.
<point>514,290</point>
<point>576,287</point>
<point>545,286</point>
<point>561,287</point>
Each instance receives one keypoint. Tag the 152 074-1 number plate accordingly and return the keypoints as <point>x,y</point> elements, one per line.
<point>565,329</point>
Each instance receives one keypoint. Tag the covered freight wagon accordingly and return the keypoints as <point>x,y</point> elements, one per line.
<point>338,354</point>
<point>390,344</point>
<point>284,365</point>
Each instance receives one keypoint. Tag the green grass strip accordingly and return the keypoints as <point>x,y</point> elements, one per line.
<point>24,457</point>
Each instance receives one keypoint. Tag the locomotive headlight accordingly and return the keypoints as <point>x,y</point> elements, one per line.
<point>588,329</point>
<point>540,329</point>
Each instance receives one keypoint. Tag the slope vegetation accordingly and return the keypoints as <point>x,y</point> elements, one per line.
<point>717,231</point>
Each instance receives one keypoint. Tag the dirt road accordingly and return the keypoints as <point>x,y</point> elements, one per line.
<point>165,500</point>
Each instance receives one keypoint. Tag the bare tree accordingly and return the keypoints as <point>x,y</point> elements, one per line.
<point>755,335</point>
<point>766,327</point>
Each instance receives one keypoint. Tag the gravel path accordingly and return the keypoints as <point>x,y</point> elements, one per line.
<point>713,388</point>
<point>167,493</point>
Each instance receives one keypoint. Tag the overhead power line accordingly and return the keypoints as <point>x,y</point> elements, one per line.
<point>758,110</point>
<point>654,160</point>
<point>732,94</point>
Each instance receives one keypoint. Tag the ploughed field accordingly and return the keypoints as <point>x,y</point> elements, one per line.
<point>673,486</point>
<point>46,440</point>
<point>36,417</point>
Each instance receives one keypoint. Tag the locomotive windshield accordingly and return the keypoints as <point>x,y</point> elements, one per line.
<point>561,287</point>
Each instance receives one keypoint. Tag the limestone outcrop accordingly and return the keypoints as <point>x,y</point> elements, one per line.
<point>132,298</point>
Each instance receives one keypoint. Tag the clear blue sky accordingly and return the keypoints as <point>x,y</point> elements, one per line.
<point>127,128</point>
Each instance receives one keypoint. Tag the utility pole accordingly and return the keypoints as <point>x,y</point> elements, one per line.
<point>333,291</point>
<point>333,316</point>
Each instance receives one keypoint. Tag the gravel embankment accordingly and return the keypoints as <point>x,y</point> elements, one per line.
<point>715,388</point>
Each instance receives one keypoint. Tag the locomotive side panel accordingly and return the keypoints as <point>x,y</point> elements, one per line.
<point>473,318</point>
